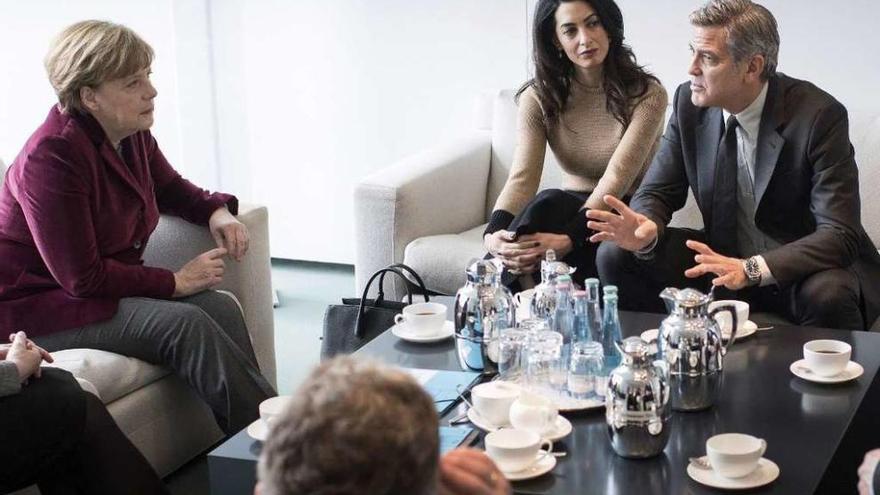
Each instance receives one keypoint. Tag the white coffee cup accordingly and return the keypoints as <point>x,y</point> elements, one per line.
<point>516,450</point>
<point>734,455</point>
<point>827,357</point>
<point>492,401</point>
<point>533,412</point>
<point>271,409</point>
<point>523,303</point>
<point>723,318</point>
<point>422,318</point>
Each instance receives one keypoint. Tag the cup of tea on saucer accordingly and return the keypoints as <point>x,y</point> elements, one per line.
<point>735,455</point>
<point>826,357</point>
<point>422,319</point>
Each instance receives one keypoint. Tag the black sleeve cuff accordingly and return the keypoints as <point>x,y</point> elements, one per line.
<point>576,229</point>
<point>877,479</point>
<point>499,220</point>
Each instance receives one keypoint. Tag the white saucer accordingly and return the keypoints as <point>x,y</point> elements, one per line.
<point>400,331</point>
<point>748,328</point>
<point>852,371</point>
<point>545,465</point>
<point>766,472</point>
<point>257,430</point>
<point>561,429</point>
<point>482,423</point>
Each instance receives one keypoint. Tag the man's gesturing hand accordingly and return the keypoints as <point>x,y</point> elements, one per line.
<point>730,272</point>
<point>626,228</point>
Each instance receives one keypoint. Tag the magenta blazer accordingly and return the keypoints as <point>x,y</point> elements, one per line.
<point>75,219</point>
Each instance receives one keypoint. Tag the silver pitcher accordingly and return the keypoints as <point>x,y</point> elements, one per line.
<point>483,308</point>
<point>544,301</point>
<point>690,342</point>
<point>637,402</point>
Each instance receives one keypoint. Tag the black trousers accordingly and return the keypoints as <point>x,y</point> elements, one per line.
<point>830,298</point>
<point>550,211</point>
<point>56,435</point>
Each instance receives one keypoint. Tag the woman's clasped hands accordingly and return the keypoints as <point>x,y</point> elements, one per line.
<point>523,254</point>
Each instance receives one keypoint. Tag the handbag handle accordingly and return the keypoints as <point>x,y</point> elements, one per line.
<point>381,274</point>
<point>401,267</point>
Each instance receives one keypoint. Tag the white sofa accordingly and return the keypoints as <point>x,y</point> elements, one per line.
<point>429,210</point>
<point>160,413</point>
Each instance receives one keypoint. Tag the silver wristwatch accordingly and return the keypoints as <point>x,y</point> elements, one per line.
<point>753,270</point>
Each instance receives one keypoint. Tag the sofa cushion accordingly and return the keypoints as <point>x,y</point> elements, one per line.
<point>441,259</point>
<point>112,375</point>
<point>865,135</point>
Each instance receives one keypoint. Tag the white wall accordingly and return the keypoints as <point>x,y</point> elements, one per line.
<point>830,44</point>
<point>177,31</point>
<point>290,103</point>
<point>333,90</point>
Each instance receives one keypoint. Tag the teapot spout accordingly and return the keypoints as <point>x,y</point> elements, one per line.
<point>668,295</point>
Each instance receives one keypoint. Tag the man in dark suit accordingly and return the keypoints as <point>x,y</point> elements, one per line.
<point>770,164</point>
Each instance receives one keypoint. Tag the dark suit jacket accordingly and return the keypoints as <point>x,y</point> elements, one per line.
<point>806,182</point>
<point>75,220</point>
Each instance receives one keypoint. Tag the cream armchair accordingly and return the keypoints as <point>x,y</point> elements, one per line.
<point>162,416</point>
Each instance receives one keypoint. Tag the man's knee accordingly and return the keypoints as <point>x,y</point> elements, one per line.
<point>829,298</point>
<point>612,259</point>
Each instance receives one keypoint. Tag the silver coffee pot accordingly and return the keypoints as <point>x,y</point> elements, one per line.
<point>637,402</point>
<point>690,342</point>
<point>483,308</point>
<point>544,301</point>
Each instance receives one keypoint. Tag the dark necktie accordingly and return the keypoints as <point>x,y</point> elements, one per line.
<point>723,234</point>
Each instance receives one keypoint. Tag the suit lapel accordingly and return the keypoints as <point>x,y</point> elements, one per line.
<point>115,163</point>
<point>770,142</point>
<point>708,137</point>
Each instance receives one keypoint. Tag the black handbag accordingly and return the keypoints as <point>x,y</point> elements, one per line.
<point>350,325</point>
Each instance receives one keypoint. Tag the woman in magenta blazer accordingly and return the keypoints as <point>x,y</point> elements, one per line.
<point>76,211</point>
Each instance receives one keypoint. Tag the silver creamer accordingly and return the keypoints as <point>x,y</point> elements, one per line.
<point>637,408</point>
<point>690,343</point>
<point>483,308</point>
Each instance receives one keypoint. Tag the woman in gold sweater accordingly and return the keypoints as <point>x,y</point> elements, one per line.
<point>602,115</point>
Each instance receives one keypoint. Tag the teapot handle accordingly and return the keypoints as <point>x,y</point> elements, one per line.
<point>732,310</point>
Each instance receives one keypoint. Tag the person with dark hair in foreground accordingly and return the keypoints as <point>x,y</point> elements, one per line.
<point>60,437</point>
<point>356,427</point>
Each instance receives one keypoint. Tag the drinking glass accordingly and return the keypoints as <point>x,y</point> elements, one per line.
<point>512,348</point>
<point>544,352</point>
<point>585,369</point>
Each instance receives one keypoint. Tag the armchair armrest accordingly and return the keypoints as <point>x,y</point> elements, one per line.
<point>438,191</point>
<point>176,241</point>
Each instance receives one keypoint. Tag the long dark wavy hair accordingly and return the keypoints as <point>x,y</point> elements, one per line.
<point>624,79</point>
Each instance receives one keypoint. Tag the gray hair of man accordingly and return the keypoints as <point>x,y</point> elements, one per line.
<point>354,427</point>
<point>751,30</point>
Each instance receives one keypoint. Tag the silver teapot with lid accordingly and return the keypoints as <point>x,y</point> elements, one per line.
<point>637,408</point>
<point>691,344</point>
<point>544,302</point>
<point>483,308</point>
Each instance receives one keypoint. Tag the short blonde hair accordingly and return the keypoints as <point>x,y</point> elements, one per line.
<point>89,53</point>
<point>355,426</point>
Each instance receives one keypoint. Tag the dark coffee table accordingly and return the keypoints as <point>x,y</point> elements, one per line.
<point>815,433</point>
<point>811,430</point>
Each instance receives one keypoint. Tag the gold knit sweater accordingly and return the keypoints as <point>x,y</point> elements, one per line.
<point>593,152</point>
